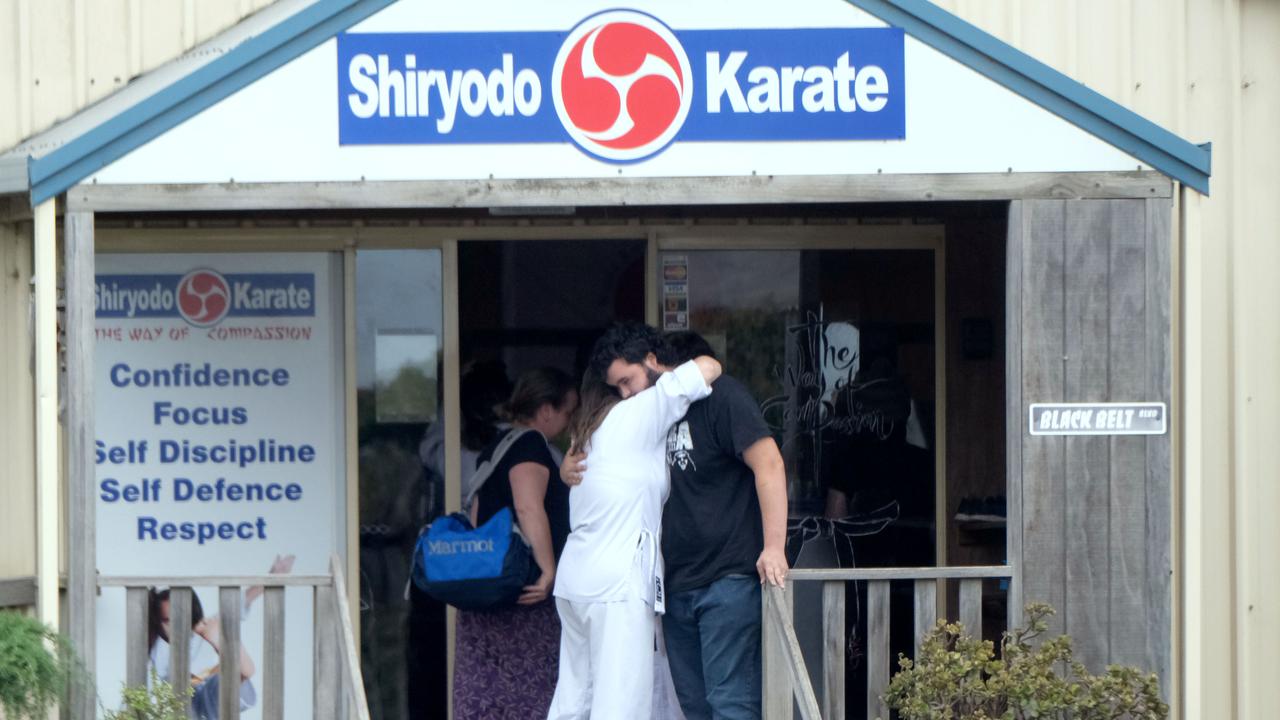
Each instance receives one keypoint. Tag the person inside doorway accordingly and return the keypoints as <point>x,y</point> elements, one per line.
<point>610,580</point>
<point>506,659</point>
<point>724,527</point>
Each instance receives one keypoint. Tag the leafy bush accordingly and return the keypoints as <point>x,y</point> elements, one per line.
<point>160,702</point>
<point>36,666</point>
<point>957,677</point>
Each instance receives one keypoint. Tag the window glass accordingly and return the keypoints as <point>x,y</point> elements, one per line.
<point>838,348</point>
<point>399,329</point>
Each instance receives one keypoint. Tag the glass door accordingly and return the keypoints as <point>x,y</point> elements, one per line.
<point>840,348</point>
<point>840,341</point>
<point>399,338</point>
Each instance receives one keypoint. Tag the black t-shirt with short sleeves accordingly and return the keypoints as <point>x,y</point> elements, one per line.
<point>496,494</point>
<point>711,525</point>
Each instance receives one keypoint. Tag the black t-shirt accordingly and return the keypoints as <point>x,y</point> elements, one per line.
<point>711,525</point>
<point>495,494</point>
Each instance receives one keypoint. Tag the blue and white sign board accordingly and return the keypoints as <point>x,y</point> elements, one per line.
<point>582,89</point>
<point>219,439</point>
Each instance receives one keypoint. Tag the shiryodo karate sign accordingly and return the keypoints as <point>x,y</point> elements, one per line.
<point>621,86</point>
<point>218,388</point>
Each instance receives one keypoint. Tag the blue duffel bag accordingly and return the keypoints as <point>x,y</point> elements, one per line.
<point>482,568</point>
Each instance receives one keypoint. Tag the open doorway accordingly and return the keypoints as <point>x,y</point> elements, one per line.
<point>522,305</point>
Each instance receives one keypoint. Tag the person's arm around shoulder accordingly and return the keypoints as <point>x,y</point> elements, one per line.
<point>709,367</point>
<point>766,463</point>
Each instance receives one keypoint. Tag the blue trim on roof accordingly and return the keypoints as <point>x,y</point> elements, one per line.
<point>54,173</point>
<point>1181,160</point>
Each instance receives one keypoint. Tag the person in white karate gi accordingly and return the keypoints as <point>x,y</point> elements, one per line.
<point>609,583</point>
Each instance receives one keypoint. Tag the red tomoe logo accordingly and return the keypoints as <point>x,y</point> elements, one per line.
<point>622,85</point>
<point>204,297</point>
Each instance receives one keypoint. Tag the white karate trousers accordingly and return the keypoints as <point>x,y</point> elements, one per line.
<point>606,661</point>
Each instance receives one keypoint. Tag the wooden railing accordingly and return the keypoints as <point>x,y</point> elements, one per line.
<point>786,675</point>
<point>337,684</point>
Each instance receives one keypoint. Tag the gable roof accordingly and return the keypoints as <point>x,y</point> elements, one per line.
<point>1181,160</point>
<point>54,161</point>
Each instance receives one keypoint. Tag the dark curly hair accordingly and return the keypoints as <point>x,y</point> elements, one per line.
<point>629,342</point>
<point>683,346</point>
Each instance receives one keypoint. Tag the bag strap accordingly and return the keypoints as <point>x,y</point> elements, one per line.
<point>486,468</point>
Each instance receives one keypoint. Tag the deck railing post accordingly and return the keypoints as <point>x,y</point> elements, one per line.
<point>777,681</point>
<point>793,664</point>
<point>136,650</point>
<point>229,653</point>
<point>925,610</point>
<point>877,649</point>
<point>180,643</point>
<point>326,687</point>
<point>273,654</point>
<point>971,606</point>
<point>833,649</point>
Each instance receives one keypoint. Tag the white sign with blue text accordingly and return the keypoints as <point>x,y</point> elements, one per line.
<point>504,89</point>
<point>621,86</point>
<point>218,388</point>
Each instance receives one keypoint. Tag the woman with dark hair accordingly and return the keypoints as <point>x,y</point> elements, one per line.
<point>203,655</point>
<point>609,590</point>
<point>506,659</point>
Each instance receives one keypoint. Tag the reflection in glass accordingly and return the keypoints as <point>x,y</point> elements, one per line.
<point>838,348</point>
<point>406,387</point>
<point>398,323</point>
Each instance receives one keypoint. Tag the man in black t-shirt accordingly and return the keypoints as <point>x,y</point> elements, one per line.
<point>723,528</point>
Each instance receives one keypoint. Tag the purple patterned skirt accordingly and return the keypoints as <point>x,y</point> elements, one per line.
<point>506,663</point>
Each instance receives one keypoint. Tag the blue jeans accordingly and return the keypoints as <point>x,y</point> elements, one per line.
<point>713,645</point>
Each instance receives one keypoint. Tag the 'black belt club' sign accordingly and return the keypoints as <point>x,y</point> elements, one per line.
<point>1145,418</point>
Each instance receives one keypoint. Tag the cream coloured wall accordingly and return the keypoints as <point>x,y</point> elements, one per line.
<point>1207,70</point>
<point>57,56</point>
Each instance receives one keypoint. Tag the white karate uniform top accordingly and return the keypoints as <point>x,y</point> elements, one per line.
<point>615,514</point>
<point>608,582</point>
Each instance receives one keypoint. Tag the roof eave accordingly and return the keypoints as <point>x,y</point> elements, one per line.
<point>15,175</point>
<point>93,150</point>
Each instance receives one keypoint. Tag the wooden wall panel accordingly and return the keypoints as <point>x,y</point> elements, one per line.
<point>1043,471</point>
<point>1128,377</point>
<point>1086,502</point>
<point>1095,327</point>
<point>17,409</point>
<point>1160,492</point>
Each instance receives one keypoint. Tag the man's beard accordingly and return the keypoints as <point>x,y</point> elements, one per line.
<point>652,375</point>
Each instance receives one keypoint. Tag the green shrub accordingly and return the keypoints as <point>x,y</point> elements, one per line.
<point>160,702</point>
<point>36,666</point>
<point>956,677</point>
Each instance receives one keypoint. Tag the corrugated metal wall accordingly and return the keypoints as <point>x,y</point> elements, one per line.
<point>59,55</point>
<point>1205,69</point>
